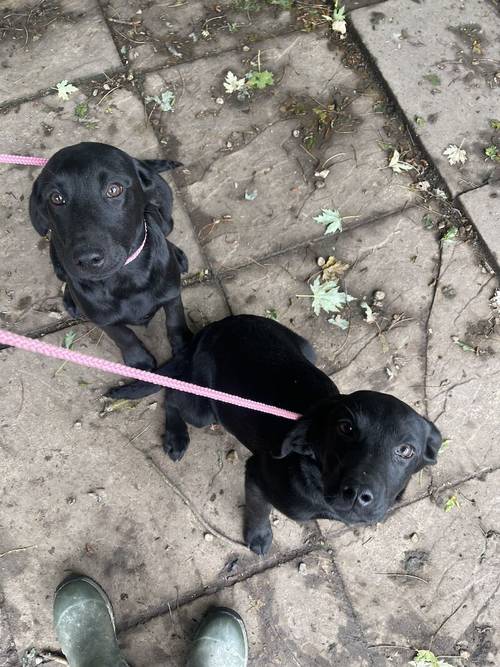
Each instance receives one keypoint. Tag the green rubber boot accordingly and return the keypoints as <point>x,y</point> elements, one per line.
<point>84,624</point>
<point>220,641</point>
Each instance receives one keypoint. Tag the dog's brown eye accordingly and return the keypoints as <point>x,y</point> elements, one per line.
<point>114,190</point>
<point>405,451</point>
<point>345,427</point>
<point>56,198</point>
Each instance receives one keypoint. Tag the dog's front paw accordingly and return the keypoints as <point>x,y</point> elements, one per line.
<point>140,358</point>
<point>175,444</point>
<point>70,306</point>
<point>259,539</point>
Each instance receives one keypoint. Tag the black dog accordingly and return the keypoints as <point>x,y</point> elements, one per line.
<point>348,458</point>
<point>108,215</point>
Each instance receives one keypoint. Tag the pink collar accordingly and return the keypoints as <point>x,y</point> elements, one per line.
<point>136,254</point>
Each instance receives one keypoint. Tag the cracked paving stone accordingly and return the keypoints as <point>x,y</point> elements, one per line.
<point>429,577</point>
<point>85,489</point>
<point>152,35</point>
<point>395,255</point>
<point>30,294</point>
<point>291,619</point>
<point>249,183</point>
<point>463,386</point>
<point>447,77</point>
<point>42,43</point>
<point>482,206</point>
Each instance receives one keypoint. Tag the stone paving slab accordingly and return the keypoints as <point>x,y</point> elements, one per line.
<point>445,79</point>
<point>42,43</point>
<point>42,127</point>
<point>464,364</point>
<point>483,208</point>
<point>293,618</point>
<point>158,34</point>
<point>249,183</point>
<point>430,578</point>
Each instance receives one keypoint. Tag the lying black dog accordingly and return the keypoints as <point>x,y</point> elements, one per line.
<point>108,215</point>
<point>348,458</point>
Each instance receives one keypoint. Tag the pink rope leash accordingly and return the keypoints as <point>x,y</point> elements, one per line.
<point>47,350</point>
<point>5,158</point>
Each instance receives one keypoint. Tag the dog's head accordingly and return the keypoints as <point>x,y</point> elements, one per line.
<point>367,445</point>
<point>93,199</point>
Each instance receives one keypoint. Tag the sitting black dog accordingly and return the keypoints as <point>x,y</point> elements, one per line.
<point>108,215</point>
<point>349,457</point>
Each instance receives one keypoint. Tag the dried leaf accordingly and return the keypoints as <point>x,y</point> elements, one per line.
<point>397,165</point>
<point>339,321</point>
<point>233,84</point>
<point>368,312</point>
<point>455,154</point>
<point>65,89</point>
<point>333,269</point>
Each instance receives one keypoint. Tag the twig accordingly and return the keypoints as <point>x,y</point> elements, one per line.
<point>12,551</point>
<point>402,574</point>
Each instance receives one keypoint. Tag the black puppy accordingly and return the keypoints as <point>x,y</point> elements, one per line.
<point>108,215</point>
<point>348,458</point>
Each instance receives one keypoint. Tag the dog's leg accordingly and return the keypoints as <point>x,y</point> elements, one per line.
<point>177,330</point>
<point>258,534</point>
<point>133,351</point>
<point>176,437</point>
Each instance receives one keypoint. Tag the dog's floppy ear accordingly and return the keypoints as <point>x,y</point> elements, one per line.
<point>156,190</point>
<point>295,441</point>
<point>38,214</point>
<point>148,171</point>
<point>432,445</point>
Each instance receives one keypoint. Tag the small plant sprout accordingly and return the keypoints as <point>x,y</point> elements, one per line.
<point>65,89</point>
<point>332,220</point>
<point>451,503</point>
<point>493,153</point>
<point>337,19</point>
<point>68,339</point>
<point>327,296</point>
<point>455,154</point>
<point>260,79</point>
<point>165,101</point>
<point>398,166</point>
<point>427,659</point>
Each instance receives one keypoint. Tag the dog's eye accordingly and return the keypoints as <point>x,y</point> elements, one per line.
<point>345,427</point>
<point>114,190</point>
<point>56,198</point>
<point>405,451</point>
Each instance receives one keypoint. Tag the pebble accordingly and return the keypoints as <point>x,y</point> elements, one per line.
<point>208,537</point>
<point>321,261</point>
<point>296,133</point>
<point>302,568</point>
<point>378,295</point>
<point>319,184</point>
<point>246,48</point>
<point>414,537</point>
<point>77,424</point>
<point>219,100</point>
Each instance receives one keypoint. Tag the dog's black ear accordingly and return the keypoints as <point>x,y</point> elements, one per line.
<point>156,190</point>
<point>38,214</point>
<point>295,441</point>
<point>161,165</point>
<point>148,171</point>
<point>432,445</point>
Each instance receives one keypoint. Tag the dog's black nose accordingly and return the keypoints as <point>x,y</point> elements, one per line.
<point>360,495</point>
<point>88,258</point>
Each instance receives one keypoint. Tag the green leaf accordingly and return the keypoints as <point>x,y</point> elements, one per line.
<point>495,124</point>
<point>166,101</point>
<point>433,79</point>
<point>81,110</point>
<point>492,152</point>
<point>450,234</point>
<point>65,89</point>
<point>451,503</point>
<point>250,196</point>
<point>338,12</point>
<point>260,80</point>
<point>331,219</point>
<point>271,313</point>
<point>428,659</point>
<point>419,120</point>
<point>464,346</point>
<point>69,339</point>
<point>327,296</point>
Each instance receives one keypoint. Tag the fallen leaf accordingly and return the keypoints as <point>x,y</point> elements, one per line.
<point>339,321</point>
<point>166,101</point>
<point>397,165</point>
<point>433,79</point>
<point>333,269</point>
<point>331,219</point>
<point>455,154</point>
<point>368,312</point>
<point>250,196</point>
<point>450,234</point>
<point>69,339</point>
<point>427,659</point>
<point>233,84</point>
<point>451,503</point>
<point>65,89</point>
<point>327,296</point>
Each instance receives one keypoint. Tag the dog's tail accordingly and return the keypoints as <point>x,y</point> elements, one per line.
<point>139,389</point>
<point>162,165</point>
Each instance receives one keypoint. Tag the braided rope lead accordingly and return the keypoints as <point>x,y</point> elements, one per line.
<point>47,350</point>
